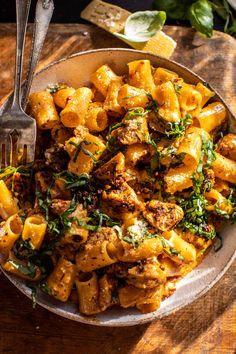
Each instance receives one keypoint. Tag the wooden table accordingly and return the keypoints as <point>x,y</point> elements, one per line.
<point>206,326</point>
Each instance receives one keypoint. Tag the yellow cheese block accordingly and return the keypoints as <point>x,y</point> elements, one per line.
<point>112,19</point>
<point>160,44</point>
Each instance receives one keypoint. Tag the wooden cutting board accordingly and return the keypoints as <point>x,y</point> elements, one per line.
<point>206,326</point>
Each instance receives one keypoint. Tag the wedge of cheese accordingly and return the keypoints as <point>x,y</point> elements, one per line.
<point>112,19</point>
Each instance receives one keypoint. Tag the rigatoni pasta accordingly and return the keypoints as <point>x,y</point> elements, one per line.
<point>127,191</point>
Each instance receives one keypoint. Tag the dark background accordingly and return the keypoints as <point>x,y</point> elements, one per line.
<point>68,11</point>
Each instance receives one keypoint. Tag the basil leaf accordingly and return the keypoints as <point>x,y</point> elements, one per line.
<point>200,15</point>
<point>175,9</point>
<point>142,25</point>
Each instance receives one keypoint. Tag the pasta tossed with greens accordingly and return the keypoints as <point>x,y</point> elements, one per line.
<point>132,179</point>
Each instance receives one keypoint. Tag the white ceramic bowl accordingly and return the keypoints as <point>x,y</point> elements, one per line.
<point>76,71</point>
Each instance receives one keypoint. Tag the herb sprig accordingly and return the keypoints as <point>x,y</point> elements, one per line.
<point>177,129</point>
<point>199,13</point>
<point>195,213</point>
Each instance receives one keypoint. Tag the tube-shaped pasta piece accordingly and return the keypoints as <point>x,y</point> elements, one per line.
<point>42,108</point>
<point>140,75</point>
<point>102,78</point>
<point>111,101</point>
<point>216,199</point>
<point>61,280</point>
<point>76,108</point>
<point>96,117</point>
<point>9,232</point>
<point>22,269</point>
<point>8,205</point>
<point>190,100</point>
<point>224,168</point>
<point>88,292</point>
<point>97,256</point>
<point>146,249</point>
<point>178,179</point>
<point>212,116</point>
<point>130,296</point>
<point>62,96</point>
<point>167,99</point>
<point>106,288</point>
<point>90,150</point>
<point>76,235</point>
<point>185,249</point>
<point>130,96</point>
<point>205,92</point>
<point>162,75</point>
<point>34,230</point>
<point>190,146</point>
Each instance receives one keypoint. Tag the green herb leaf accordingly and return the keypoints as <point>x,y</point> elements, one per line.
<point>177,88</point>
<point>142,25</point>
<point>200,15</point>
<point>177,129</point>
<point>175,9</point>
<point>72,180</point>
<point>28,270</point>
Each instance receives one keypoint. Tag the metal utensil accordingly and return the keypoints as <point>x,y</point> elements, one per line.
<point>43,15</point>
<point>16,127</point>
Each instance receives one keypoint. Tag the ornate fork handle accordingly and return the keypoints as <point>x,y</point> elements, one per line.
<point>22,9</point>
<point>43,15</point>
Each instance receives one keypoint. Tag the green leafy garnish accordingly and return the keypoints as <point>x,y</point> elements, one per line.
<point>177,88</point>
<point>141,26</point>
<point>28,270</point>
<point>72,180</point>
<point>33,295</point>
<point>136,112</point>
<point>80,147</point>
<point>62,224</point>
<point>159,153</point>
<point>175,9</point>
<point>177,129</point>
<point>44,202</point>
<point>200,15</point>
<point>111,144</point>
<point>195,214</point>
<point>207,157</point>
<point>152,104</point>
<point>45,288</point>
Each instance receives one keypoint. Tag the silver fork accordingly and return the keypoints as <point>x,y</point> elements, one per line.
<point>43,15</point>
<point>17,129</point>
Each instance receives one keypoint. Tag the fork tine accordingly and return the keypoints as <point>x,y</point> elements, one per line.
<point>8,153</point>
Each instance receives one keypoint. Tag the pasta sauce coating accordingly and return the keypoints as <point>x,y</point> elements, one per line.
<point>127,190</point>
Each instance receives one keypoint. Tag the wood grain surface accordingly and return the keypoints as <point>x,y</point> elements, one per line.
<point>206,326</point>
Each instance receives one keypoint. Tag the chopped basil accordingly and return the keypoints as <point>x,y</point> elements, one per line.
<point>177,129</point>
<point>29,269</point>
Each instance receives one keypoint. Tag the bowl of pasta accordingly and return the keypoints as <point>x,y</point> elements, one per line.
<point>118,220</point>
